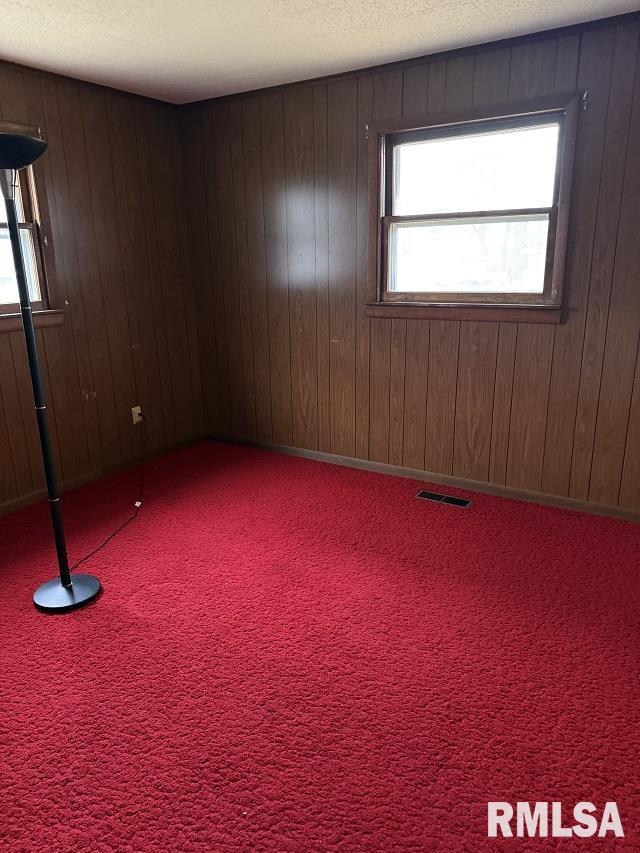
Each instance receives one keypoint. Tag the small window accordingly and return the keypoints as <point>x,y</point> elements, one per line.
<point>473,213</point>
<point>27,209</point>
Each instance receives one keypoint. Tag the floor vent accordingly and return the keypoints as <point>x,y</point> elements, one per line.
<point>443,499</point>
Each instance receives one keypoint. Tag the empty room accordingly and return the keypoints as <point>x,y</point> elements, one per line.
<point>319,426</point>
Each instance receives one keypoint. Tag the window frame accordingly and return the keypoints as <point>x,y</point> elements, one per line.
<point>31,208</point>
<point>383,136</point>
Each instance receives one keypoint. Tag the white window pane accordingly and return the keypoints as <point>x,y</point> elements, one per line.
<point>8,289</point>
<point>8,285</point>
<point>19,209</point>
<point>497,170</point>
<point>488,255</point>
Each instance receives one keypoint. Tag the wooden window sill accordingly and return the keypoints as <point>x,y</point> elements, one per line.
<point>41,320</point>
<point>476,313</point>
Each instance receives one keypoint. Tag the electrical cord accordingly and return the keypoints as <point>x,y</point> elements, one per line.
<point>132,517</point>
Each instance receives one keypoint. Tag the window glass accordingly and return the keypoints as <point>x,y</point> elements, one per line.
<point>492,170</point>
<point>482,255</point>
<point>19,207</point>
<point>8,283</point>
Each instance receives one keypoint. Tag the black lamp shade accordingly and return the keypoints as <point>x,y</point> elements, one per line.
<point>18,150</point>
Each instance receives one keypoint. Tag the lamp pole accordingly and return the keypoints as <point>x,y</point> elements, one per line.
<point>68,591</point>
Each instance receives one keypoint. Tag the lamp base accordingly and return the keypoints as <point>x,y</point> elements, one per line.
<point>53,597</point>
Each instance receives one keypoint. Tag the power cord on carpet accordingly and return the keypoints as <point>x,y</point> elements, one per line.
<point>137,506</point>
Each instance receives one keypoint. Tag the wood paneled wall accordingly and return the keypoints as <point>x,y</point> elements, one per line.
<point>276,188</point>
<point>113,178</point>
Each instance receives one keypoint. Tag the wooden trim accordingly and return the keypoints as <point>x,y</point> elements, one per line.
<point>547,297</point>
<point>33,497</point>
<point>542,112</point>
<point>468,50</point>
<point>464,298</point>
<point>14,307</point>
<point>92,476</point>
<point>43,235</point>
<point>471,214</point>
<point>33,209</point>
<point>376,202</point>
<point>476,312</point>
<point>15,127</point>
<point>33,227</point>
<point>40,265</point>
<point>34,198</point>
<point>510,492</point>
<point>558,234</point>
<point>452,120</point>
<point>384,135</point>
<point>41,320</point>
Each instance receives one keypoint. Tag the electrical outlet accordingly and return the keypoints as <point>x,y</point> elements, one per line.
<point>136,414</point>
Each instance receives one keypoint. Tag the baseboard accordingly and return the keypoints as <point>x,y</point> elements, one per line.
<point>347,462</point>
<point>90,477</point>
<point>444,479</point>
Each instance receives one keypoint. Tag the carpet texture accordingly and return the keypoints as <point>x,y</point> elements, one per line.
<point>293,656</point>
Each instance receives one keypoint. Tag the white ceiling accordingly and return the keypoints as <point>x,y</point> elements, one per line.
<point>187,50</point>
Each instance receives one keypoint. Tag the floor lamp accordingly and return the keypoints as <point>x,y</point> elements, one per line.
<point>18,150</point>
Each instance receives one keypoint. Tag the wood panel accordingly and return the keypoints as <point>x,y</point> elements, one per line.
<point>116,347</point>
<point>187,298</point>
<point>321,209</point>
<point>229,235</point>
<point>623,332</point>
<point>607,222</point>
<point>211,212</point>
<point>301,262</point>
<point>107,249</point>
<point>78,370</point>
<point>257,270</point>
<point>192,143</point>
<point>363,324</point>
<point>275,233</point>
<point>342,143</point>
<point>238,206</point>
<point>477,355</point>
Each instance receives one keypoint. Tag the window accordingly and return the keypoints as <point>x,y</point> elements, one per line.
<point>472,213</point>
<point>26,206</point>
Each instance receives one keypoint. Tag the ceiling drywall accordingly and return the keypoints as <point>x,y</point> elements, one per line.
<point>187,50</point>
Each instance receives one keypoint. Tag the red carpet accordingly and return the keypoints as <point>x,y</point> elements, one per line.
<point>292,656</point>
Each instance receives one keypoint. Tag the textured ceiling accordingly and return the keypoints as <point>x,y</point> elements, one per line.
<point>186,50</point>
